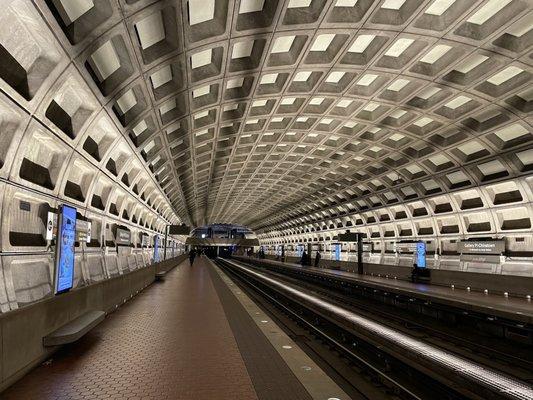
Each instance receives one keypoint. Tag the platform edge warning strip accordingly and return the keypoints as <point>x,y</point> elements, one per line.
<point>270,375</point>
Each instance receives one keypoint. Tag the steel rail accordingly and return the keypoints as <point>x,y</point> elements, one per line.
<point>495,381</point>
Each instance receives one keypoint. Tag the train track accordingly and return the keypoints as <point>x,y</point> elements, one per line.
<point>404,366</point>
<point>342,294</point>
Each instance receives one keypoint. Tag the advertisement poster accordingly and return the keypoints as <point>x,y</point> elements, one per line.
<point>337,252</point>
<point>299,250</point>
<point>421,254</point>
<point>123,237</point>
<point>156,248</point>
<point>64,270</point>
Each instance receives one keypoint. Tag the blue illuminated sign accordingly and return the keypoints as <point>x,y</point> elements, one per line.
<point>300,250</point>
<point>156,249</point>
<point>337,252</point>
<point>421,255</point>
<point>66,239</point>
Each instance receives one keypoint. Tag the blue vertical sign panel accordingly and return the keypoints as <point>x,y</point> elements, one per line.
<point>66,240</point>
<point>337,252</point>
<point>421,255</point>
<point>156,248</point>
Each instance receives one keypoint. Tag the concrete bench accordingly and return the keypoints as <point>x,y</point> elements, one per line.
<point>159,276</point>
<point>75,329</point>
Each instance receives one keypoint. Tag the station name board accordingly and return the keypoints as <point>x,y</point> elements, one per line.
<point>83,228</point>
<point>123,237</point>
<point>481,247</point>
<point>348,237</point>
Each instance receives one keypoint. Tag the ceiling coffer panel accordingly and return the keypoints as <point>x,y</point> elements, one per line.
<point>251,111</point>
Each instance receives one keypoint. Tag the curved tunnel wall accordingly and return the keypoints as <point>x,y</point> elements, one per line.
<point>61,142</point>
<point>502,210</point>
<point>285,116</point>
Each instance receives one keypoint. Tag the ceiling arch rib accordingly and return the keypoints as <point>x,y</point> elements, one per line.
<point>248,110</point>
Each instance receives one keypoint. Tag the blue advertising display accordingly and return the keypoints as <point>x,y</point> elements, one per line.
<point>66,239</point>
<point>421,254</point>
<point>337,252</point>
<point>156,248</point>
<point>299,250</point>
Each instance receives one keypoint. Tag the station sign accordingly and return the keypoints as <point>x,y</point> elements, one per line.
<point>405,247</point>
<point>83,228</point>
<point>368,247</point>
<point>179,230</point>
<point>83,231</point>
<point>348,237</point>
<point>481,258</point>
<point>145,240</point>
<point>481,247</point>
<point>123,237</point>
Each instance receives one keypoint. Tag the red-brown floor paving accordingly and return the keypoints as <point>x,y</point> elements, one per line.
<point>172,341</point>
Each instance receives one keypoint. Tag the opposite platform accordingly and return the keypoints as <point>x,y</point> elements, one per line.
<point>513,308</point>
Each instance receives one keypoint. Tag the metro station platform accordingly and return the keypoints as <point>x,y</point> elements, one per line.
<point>194,335</point>
<point>512,308</point>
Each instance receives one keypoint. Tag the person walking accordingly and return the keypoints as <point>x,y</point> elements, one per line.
<point>192,255</point>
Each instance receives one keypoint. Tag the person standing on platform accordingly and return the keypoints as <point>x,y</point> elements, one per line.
<point>303,260</point>
<point>317,259</point>
<point>192,255</point>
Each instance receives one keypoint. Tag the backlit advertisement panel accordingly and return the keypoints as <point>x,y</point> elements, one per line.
<point>337,252</point>
<point>156,248</point>
<point>421,254</point>
<point>66,239</point>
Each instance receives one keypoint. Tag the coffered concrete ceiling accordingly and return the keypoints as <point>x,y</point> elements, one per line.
<point>257,111</point>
